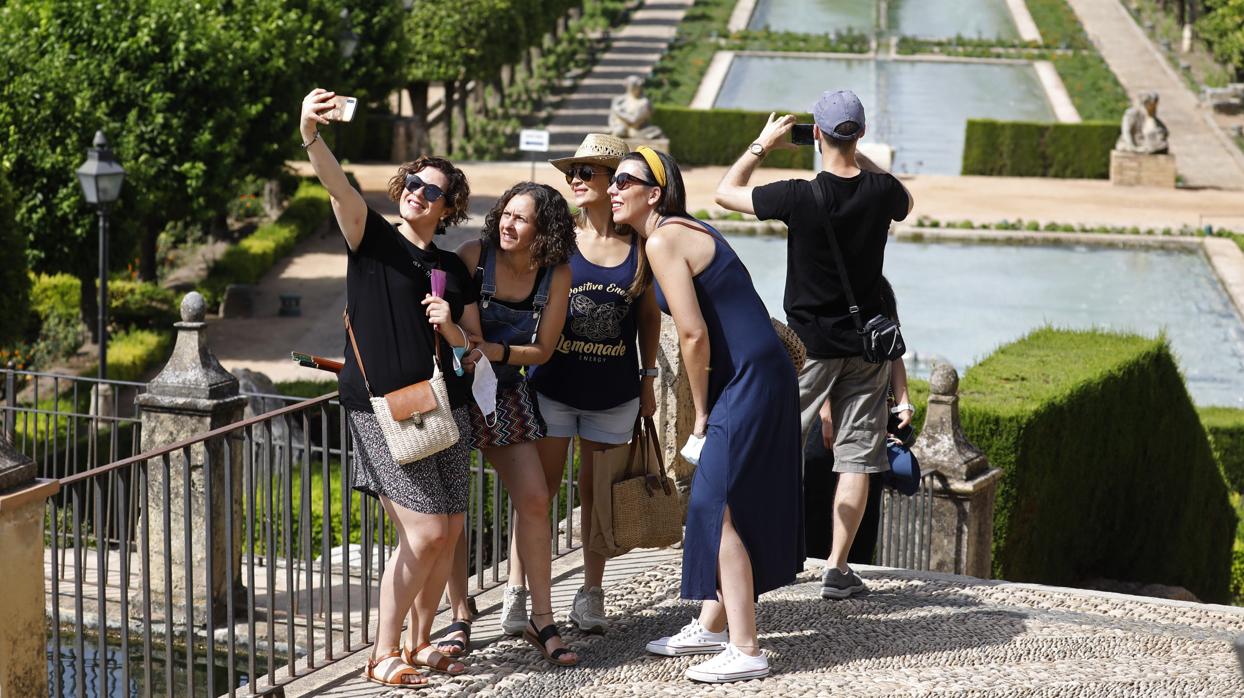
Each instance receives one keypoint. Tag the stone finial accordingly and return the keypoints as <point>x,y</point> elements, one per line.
<point>192,371</point>
<point>193,307</point>
<point>942,445</point>
<point>16,468</point>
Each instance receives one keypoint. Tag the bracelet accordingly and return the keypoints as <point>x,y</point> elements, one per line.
<point>903,407</point>
<point>649,372</point>
<point>505,352</point>
<point>311,142</point>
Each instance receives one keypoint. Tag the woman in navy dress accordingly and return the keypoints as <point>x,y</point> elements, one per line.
<point>744,520</point>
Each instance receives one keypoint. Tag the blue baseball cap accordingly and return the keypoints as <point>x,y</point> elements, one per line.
<point>835,108</point>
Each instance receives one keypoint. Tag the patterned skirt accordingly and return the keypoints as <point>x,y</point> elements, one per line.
<point>517,419</point>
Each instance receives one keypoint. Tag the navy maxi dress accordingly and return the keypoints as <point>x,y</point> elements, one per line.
<point>751,456</point>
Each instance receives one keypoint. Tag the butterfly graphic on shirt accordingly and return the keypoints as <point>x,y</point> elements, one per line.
<point>596,322</point>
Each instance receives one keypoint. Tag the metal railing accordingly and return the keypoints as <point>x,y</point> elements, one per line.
<point>302,554</point>
<point>905,535</point>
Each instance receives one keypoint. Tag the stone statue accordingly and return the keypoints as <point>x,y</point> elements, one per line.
<point>629,113</point>
<point>1142,131</point>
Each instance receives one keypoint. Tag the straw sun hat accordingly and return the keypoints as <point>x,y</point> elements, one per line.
<point>596,149</point>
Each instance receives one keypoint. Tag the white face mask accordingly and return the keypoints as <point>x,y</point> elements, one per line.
<point>484,388</point>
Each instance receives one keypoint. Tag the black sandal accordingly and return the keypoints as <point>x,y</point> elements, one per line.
<point>542,636</point>
<point>455,648</point>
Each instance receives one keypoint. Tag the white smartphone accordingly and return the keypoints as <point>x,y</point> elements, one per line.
<point>343,108</point>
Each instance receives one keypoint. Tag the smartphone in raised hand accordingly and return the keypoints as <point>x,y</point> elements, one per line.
<point>801,134</point>
<point>343,108</point>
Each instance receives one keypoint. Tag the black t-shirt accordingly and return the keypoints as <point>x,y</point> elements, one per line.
<point>386,279</point>
<point>860,209</point>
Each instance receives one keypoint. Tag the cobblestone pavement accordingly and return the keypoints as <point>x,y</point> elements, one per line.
<point>914,634</point>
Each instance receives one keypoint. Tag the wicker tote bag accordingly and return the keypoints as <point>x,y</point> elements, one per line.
<point>792,342</point>
<point>647,512</point>
<point>416,420</point>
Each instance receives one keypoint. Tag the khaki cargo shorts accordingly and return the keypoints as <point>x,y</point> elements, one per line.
<point>857,392</point>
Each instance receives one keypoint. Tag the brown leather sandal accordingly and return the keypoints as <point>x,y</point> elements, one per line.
<point>445,665</point>
<point>406,677</point>
<point>539,637</point>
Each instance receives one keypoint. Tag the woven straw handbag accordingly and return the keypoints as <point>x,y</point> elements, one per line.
<point>647,512</point>
<point>416,421</point>
<point>792,342</point>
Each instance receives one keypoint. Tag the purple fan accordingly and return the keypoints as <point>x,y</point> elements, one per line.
<point>438,283</point>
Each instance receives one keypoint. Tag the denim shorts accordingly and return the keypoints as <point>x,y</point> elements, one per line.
<point>611,426</point>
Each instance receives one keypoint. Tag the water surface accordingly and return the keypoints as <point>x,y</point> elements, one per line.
<point>962,301</point>
<point>921,108</point>
<point>932,19</point>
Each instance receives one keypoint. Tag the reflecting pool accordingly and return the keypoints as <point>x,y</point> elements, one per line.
<point>931,19</point>
<point>921,108</point>
<point>961,301</point>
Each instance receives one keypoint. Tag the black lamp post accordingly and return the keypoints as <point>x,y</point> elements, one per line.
<point>101,177</point>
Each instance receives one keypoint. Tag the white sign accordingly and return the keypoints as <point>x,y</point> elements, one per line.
<point>533,140</point>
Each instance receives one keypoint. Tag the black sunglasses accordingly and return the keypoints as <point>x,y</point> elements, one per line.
<point>623,181</point>
<point>583,172</point>
<point>431,192</point>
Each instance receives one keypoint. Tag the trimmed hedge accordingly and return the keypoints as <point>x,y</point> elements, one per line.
<point>248,260</point>
<point>55,296</point>
<point>1108,472</point>
<point>1035,149</point>
<point>1225,427</point>
<point>719,136</point>
<point>141,304</point>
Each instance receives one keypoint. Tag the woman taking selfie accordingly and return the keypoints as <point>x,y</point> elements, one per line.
<point>396,328</point>
<point>522,282</point>
<point>744,517</point>
<point>592,386</point>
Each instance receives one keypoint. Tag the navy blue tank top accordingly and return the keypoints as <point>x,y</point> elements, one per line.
<point>595,365</point>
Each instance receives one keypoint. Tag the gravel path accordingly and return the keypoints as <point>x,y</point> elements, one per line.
<point>914,634</point>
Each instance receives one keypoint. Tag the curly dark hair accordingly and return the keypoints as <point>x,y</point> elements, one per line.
<point>555,241</point>
<point>457,196</point>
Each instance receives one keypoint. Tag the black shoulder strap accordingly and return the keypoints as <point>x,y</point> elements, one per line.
<point>854,309</point>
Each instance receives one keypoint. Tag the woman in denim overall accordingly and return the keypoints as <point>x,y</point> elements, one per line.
<point>524,281</point>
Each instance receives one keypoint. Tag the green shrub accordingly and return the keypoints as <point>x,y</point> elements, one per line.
<point>141,304</point>
<point>1058,24</point>
<point>306,388</point>
<point>132,352</point>
<point>14,279</point>
<point>55,296</point>
<point>1092,86</point>
<point>248,260</point>
<point>1107,469</point>
<point>1225,427</point>
<point>719,136</point>
<point>1034,149</point>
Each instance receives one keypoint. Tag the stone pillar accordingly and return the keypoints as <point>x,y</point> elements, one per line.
<point>23,650</point>
<point>672,392</point>
<point>192,395</point>
<point>964,488</point>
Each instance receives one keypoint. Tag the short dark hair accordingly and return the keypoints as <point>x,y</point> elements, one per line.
<point>457,196</point>
<point>555,241</point>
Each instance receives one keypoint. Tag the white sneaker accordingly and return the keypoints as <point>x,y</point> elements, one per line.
<point>514,610</point>
<point>730,665</point>
<point>588,611</point>
<point>692,639</point>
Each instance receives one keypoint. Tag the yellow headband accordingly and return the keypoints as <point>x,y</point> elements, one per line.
<point>654,163</point>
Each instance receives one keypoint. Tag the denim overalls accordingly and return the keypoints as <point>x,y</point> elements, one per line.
<point>502,323</point>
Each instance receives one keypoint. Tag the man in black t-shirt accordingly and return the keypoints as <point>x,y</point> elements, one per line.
<point>861,200</point>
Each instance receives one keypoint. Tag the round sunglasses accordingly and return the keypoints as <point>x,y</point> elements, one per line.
<point>624,180</point>
<point>431,192</point>
<point>583,172</point>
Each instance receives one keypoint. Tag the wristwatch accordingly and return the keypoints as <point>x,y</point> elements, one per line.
<point>646,372</point>
<point>756,149</point>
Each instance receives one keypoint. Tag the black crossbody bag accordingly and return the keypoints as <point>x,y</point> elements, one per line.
<point>880,336</point>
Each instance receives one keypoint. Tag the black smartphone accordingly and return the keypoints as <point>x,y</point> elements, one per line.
<point>801,134</point>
